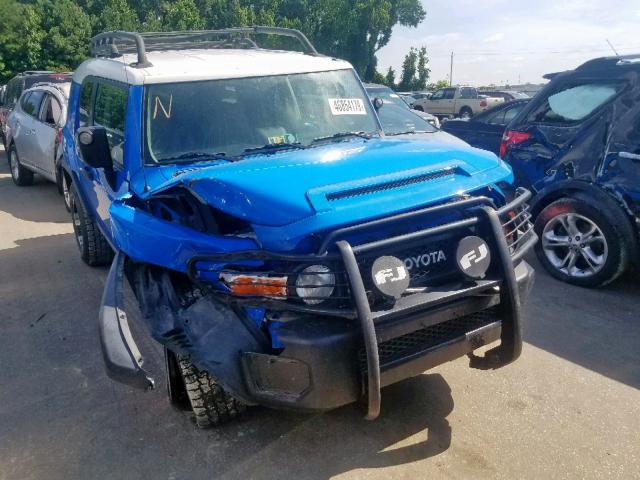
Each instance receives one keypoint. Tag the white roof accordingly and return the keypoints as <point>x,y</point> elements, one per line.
<point>190,65</point>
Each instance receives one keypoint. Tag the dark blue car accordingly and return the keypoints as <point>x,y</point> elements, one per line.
<point>486,129</point>
<point>576,145</point>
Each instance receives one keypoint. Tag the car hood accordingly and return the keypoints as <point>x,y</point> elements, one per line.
<point>336,184</point>
<point>438,136</point>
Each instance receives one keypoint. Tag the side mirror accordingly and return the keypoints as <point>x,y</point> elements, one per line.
<point>94,147</point>
<point>377,103</point>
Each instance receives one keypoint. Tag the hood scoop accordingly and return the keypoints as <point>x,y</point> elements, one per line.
<point>393,184</point>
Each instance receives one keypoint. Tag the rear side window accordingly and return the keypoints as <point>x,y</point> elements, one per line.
<point>52,111</point>
<point>31,103</point>
<point>468,93</point>
<point>449,93</point>
<point>574,103</point>
<point>109,112</point>
<point>86,94</point>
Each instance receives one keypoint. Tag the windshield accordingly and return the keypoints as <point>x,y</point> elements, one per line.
<point>397,120</point>
<point>233,116</point>
<point>387,95</point>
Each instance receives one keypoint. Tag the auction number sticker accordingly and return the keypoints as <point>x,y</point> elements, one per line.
<point>347,106</point>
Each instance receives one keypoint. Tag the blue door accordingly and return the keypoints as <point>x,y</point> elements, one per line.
<point>103,103</point>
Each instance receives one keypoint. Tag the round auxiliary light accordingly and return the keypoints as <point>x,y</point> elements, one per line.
<point>315,284</point>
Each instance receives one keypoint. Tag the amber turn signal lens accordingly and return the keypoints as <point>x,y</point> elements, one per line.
<point>254,285</point>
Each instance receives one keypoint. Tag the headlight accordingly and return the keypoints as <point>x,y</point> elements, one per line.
<point>315,284</point>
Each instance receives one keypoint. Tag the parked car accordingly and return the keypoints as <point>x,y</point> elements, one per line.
<point>34,131</point>
<point>17,85</point>
<point>577,146</point>
<point>282,250</point>
<point>485,130</point>
<point>463,102</point>
<point>506,95</point>
<point>390,97</point>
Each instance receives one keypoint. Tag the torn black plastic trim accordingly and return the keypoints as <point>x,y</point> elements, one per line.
<point>121,355</point>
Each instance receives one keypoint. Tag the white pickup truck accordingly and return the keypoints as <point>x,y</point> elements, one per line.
<point>463,102</point>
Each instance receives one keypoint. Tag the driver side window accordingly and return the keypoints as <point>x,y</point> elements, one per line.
<point>109,112</point>
<point>439,95</point>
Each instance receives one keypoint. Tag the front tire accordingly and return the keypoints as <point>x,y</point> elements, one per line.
<point>580,243</point>
<point>21,176</point>
<point>65,186</point>
<point>94,248</point>
<point>211,405</point>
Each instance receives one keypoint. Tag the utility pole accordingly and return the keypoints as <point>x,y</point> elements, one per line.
<point>451,71</point>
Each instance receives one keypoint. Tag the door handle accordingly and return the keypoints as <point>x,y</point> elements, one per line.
<point>629,156</point>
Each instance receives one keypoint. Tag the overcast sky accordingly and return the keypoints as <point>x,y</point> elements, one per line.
<point>498,41</point>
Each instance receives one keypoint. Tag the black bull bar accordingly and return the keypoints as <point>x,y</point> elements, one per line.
<point>124,362</point>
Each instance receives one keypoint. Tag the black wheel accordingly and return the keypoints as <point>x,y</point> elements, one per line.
<point>20,175</point>
<point>94,248</point>
<point>580,243</point>
<point>211,405</point>
<point>466,113</point>
<point>176,389</point>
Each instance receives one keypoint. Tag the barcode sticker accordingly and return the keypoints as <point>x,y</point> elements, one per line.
<point>347,106</point>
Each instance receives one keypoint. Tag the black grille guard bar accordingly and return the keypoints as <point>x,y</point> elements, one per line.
<point>511,333</point>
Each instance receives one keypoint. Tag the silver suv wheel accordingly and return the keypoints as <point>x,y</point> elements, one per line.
<point>575,245</point>
<point>15,166</point>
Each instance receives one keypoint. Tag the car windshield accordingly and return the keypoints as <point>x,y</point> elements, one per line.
<point>397,120</point>
<point>387,95</point>
<point>232,117</point>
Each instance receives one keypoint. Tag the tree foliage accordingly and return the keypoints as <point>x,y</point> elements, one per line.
<point>55,33</point>
<point>415,70</point>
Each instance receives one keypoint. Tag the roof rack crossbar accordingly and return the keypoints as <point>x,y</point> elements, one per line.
<point>104,44</point>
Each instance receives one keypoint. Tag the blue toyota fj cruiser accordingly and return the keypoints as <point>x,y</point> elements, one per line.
<point>281,249</point>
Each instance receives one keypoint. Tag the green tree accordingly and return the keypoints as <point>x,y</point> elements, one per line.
<point>65,30</point>
<point>182,15</point>
<point>20,38</point>
<point>390,78</point>
<point>415,70</point>
<point>407,77</point>
<point>423,70</point>
<point>432,87</point>
<point>115,15</point>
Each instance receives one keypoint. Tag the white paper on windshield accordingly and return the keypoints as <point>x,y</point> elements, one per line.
<point>347,106</point>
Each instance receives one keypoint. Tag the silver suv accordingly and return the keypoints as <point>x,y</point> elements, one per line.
<point>33,135</point>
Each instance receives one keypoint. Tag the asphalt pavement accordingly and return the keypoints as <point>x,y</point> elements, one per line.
<point>568,408</point>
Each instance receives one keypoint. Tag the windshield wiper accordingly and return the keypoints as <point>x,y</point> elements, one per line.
<point>408,132</point>
<point>271,147</point>
<point>340,135</point>
<point>196,157</point>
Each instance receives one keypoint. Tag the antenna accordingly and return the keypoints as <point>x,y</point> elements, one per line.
<point>612,47</point>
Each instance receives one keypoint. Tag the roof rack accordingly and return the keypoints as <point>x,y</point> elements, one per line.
<point>104,44</point>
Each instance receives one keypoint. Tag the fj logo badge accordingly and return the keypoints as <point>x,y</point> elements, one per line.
<point>473,256</point>
<point>390,276</point>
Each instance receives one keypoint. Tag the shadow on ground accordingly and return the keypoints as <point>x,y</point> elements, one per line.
<point>19,201</point>
<point>598,329</point>
<point>62,417</point>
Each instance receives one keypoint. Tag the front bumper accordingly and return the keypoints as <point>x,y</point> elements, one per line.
<point>324,365</point>
<point>332,357</point>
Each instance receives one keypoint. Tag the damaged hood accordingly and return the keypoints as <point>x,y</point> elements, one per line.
<point>351,180</point>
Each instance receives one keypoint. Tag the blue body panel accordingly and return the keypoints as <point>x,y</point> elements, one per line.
<point>285,196</point>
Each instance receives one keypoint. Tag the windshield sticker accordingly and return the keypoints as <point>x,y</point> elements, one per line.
<point>347,106</point>
<point>278,139</point>
<point>165,111</point>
